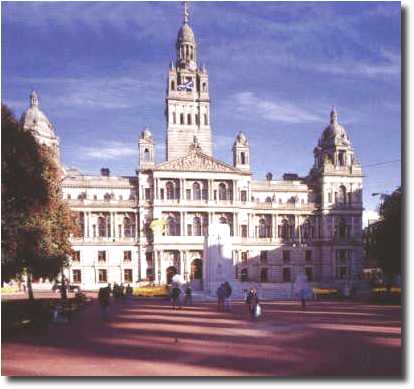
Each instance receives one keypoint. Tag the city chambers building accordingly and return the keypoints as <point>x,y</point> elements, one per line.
<point>152,225</point>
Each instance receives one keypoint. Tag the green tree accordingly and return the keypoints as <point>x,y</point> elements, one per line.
<point>384,236</point>
<point>36,223</point>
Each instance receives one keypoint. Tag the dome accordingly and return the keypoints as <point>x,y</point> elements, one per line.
<point>34,120</point>
<point>241,138</point>
<point>146,134</point>
<point>334,134</point>
<point>185,34</point>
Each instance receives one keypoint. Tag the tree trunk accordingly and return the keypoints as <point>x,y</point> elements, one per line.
<point>29,287</point>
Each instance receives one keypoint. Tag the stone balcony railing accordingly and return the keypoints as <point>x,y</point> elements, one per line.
<point>100,239</point>
<point>103,203</point>
<point>285,206</point>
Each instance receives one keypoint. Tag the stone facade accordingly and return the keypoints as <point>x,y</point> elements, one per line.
<point>153,224</point>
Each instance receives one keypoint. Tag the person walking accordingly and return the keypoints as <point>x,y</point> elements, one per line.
<point>227,295</point>
<point>175,297</point>
<point>253,302</point>
<point>103,298</point>
<point>220,298</point>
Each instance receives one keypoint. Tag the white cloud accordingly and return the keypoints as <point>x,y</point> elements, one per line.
<point>368,216</point>
<point>108,150</point>
<point>248,104</point>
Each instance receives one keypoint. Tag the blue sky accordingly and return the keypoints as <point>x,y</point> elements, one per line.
<point>275,69</point>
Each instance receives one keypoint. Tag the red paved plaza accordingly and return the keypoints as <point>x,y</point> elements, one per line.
<point>148,338</point>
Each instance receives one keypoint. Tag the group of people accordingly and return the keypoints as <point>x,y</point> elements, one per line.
<point>181,295</point>
<point>118,291</point>
<point>223,297</point>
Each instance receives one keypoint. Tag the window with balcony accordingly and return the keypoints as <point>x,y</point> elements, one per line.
<point>129,227</point>
<point>76,276</point>
<point>169,188</point>
<point>244,256</point>
<point>283,230</point>
<point>264,229</point>
<point>196,226</point>
<point>102,276</point>
<point>102,256</point>
<point>127,256</point>
<point>243,196</point>
<point>196,191</point>
<point>286,274</point>
<point>222,192</point>
<point>172,226</point>
<point>127,275</point>
<point>103,227</point>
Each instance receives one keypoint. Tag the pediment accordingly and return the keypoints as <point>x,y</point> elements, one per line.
<point>197,161</point>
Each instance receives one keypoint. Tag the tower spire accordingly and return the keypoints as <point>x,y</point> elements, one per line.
<point>334,116</point>
<point>186,11</point>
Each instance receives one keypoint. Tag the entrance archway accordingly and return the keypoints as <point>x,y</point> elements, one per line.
<point>171,272</point>
<point>196,275</point>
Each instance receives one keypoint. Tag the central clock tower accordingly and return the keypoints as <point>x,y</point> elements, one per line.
<point>187,103</point>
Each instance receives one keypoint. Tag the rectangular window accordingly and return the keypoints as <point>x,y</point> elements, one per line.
<point>189,229</point>
<point>286,256</point>
<point>243,231</point>
<point>76,276</point>
<point>264,275</point>
<point>101,256</point>
<point>119,230</point>
<point>127,256</point>
<point>205,194</point>
<point>308,255</point>
<point>162,194</point>
<point>147,194</point>
<point>215,195</point>
<point>244,256</point>
<point>102,275</point>
<point>128,275</point>
<point>243,196</point>
<point>309,273</point>
<point>188,194</point>
<point>330,197</point>
<point>286,274</point>
<point>263,256</point>
<point>76,256</point>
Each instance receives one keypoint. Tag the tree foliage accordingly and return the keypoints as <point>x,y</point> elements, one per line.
<point>36,224</point>
<point>384,236</point>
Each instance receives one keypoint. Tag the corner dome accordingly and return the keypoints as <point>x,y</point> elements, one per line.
<point>185,34</point>
<point>146,134</point>
<point>241,138</point>
<point>334,133</point>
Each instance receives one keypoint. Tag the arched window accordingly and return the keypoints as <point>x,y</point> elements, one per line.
<point>189,121</point>
<point>171,226</point>
<point>170,190</point>
<point>268,200</point>
<point>342,195</point>
<point>205,119</point>
<point>181,118</point>
<point>196,226</point>
<point>174,115</point>
<point>243,158</point>
<point>223,220</point>
<point>306,230</point>
<point>196,191</point>
<point>341,158</point>
<point>191,53</point>
<point>204,87</point>
<point>222,192</point>
<point>128,227</point>
<point>107,197</point>
<point>283,229</point>
<point>262,228</point>
<point>101,226</point>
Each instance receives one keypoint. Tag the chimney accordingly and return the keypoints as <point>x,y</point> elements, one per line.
<point>105,172</point>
